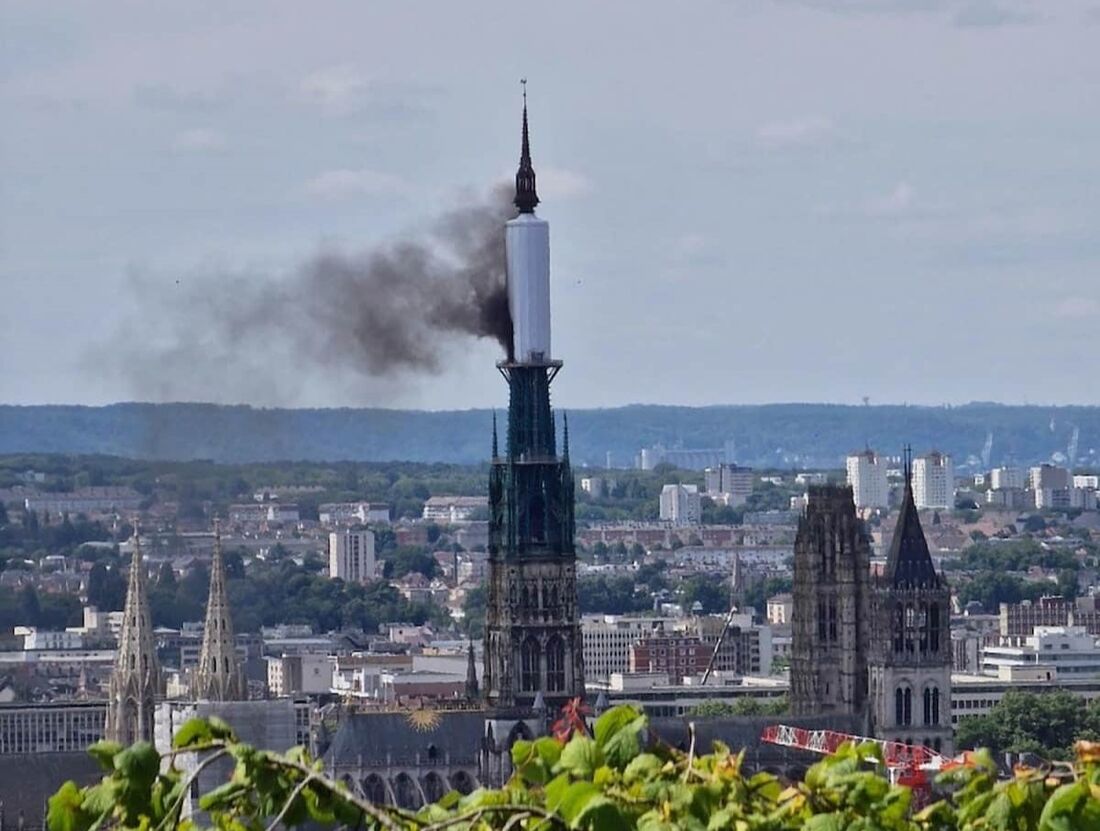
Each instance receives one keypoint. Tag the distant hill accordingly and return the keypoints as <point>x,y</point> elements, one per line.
<point>773,435</point>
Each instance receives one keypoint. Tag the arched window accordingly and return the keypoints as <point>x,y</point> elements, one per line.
<point>213,663</point>
<point>935,705</point>
<point>832,620</point>
<point>822,625</point>
<point>910,624</point>
<point>899,629</point>
<point>927,705</point>
<point>934,628</point>
<point>374,789</point>
<point>555,664</point>
<point>903,706</point>
<point>529,665</point>
<point>922,627</point>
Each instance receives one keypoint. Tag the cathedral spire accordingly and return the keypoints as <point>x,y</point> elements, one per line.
<point>472,692</point>
<point>218,676</point>
<point>135,681</point>
<point>526,197</point>
<point>909,563</point>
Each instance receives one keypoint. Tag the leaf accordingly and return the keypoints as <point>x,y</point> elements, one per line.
<point>64,812</point>
<point>573,800</point>
<point>580,757</point>
<point>139,763</point>
<point>825,822</point>
<point>222,796</point>
<point>194,731</point>
<point>624,745</point>
<point>612,722</point>
<point>104,752</point>
<point>602,814</point>
<point>642,767</point>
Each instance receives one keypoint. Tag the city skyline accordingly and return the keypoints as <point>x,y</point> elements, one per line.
<point>741,228</point>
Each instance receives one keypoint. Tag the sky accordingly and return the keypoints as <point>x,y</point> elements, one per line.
<point>750,201</point>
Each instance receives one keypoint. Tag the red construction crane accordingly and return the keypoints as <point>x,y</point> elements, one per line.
<point>906,764</point>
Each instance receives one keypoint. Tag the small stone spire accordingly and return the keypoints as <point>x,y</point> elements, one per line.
<point>526,197</point>
<point>565,437</point>
<point>218,676</point>
<point>472,691</point>
<point>135,681</point>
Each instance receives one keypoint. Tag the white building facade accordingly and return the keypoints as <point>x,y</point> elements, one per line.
<point>934,481</point>
<point>351,556</point>
<point>681,504</point>
<point>867,478</point>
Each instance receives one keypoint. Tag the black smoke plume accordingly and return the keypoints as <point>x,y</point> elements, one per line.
<point>396,309</point>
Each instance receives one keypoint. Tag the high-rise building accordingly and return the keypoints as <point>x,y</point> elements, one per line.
<point>910,656</point>
<point>219,675</point>
<point>135,682</point>
<point>730,483</point>
<point>533,646</point>
<point>1006,478</point>
<point>351,556</point>
<point>681,504</point>
<point>933,481</point>
<point>867,478</point>
<point>832,556</point>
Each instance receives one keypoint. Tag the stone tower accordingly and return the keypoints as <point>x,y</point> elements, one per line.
<point>832,556</point>
<point>135,682</point>
<point>533,648</point>
<point>219,675</point>
<point>910,656</point>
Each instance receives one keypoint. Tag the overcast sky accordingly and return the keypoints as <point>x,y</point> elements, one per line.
<point>749,201</point>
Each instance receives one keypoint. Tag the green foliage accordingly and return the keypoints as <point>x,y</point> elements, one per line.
<point>1047,724</point>
<point>612,595</point>
<point>606,781</point>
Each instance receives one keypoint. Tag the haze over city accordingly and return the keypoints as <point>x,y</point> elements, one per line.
<point>752,201</point>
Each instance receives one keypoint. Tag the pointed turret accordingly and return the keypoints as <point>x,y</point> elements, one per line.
<point>909,563</point>
<point>526,197</point>
<point>472,692</point>
<point>135,681</point>
<point>218,676</point>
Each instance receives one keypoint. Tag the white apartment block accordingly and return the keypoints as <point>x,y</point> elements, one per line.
<point>867,478</point>
<point>607,640</point>
<point>681,504</point>
<point>1087,481</point>
<point>1006,478</point>
<point>451,509</point>
<point>351,556</point>
<point>353,513</point>
<point>934,481</point>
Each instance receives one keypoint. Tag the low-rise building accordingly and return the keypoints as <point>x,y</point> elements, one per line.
<point>292,675</point>
<point>1070,651</point>
<point>453,509</point>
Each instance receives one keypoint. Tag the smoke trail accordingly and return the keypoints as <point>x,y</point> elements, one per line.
<point>397,309</point>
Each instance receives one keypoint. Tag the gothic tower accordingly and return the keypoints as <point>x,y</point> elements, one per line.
<point>910,664</point>
<point>832,557</point>
<point>533,640</point>
<point>219,676</point>
<point>135,681</point>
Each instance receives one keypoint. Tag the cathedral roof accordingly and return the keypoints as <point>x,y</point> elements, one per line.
<point>909,564</point>
<point>402,736</point>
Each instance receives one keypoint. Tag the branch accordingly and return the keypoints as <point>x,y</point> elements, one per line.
<point>177,806</point>
<point>293,795</point>
<point>523,810</point>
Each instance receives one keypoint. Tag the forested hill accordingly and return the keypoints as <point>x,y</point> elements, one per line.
<point>775,435</point>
